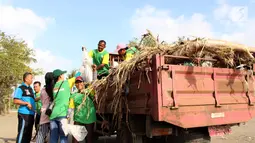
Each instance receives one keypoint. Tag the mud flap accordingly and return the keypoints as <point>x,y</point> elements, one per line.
<point>219,130</point>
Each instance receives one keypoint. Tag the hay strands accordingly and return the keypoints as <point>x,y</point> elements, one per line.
<point>222,51</point>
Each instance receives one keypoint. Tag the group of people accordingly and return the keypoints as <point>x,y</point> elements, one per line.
<point>35,103</point>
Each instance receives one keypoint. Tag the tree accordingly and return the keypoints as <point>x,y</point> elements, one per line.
<point>15,58</point>
<point>71,74</point>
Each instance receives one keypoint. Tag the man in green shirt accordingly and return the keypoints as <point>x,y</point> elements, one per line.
<point>37,89</point>
<point>100,59</point>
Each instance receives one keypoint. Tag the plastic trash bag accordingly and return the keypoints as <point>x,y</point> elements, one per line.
<point>86,67</point>
<point>115,64</point>
<point>77,131</point>
<point>64,124</point>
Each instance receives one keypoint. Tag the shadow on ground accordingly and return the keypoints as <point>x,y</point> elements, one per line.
<point>7,140</point>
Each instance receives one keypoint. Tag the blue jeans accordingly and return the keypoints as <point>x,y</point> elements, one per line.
<point>56,132</point>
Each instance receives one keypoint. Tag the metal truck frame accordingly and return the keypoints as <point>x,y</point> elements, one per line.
<point>175,103</point>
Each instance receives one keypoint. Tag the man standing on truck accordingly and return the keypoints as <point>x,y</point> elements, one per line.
<point>125,52</point>
<point>100,60</point>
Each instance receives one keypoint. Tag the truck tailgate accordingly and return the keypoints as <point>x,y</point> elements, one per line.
<point>203,96</point>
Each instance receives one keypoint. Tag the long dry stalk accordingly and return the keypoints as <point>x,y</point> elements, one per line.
<point>228,55</point>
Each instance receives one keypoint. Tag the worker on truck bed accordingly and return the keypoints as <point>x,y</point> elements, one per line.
<point>125,52</point>
<point>100,60</point>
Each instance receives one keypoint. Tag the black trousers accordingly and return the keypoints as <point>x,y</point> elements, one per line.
<point>25,128</point>
<point>37,121</point>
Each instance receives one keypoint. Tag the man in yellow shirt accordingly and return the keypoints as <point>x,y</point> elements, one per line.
<point>100,59</point>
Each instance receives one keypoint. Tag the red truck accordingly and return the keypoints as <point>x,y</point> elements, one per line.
<point>181,104</point>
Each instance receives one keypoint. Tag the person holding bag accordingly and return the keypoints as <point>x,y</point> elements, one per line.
<point>59,106</point>
<point>87,115</point>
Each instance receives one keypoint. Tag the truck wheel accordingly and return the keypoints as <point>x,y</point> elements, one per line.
<point>125,136</point>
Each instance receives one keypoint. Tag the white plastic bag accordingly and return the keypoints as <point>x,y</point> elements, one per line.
<point>65,126</point>
<point>115,64</point>
<point>78,132</point>
<point>86,67</point>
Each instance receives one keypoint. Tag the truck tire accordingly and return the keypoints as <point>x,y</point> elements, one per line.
<point>125,136</point>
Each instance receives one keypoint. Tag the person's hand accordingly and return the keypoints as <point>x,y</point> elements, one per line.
<point>29,106</point>
<point>77,74</point>
<point>94,67</point>
<point>37,99</point>
<point>43,109</point>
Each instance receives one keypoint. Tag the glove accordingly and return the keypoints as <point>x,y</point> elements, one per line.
<point>77,74</point>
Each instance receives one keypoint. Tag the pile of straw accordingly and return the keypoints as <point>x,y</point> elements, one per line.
<point>228,55</point>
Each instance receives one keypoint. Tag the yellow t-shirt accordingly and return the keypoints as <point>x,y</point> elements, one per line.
<point>128,56</point>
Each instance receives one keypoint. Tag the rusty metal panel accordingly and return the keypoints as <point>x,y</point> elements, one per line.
<point>199,116</point>
<point>187,96</point>
<point>200,94</point>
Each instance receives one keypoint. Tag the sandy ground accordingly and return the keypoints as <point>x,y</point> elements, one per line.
<point>243,134</point>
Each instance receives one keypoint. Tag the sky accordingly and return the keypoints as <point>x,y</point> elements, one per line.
<point>57,29</point>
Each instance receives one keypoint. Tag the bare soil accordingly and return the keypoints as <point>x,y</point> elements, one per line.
<point>243,134</point>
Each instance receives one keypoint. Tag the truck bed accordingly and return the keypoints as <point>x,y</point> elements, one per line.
<point>189,97</point>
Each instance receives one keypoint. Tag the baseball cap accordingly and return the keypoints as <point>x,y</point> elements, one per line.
<point>58,72</point>
<point>79,78</point>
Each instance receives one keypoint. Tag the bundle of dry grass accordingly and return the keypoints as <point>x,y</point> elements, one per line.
<point>228,55</point>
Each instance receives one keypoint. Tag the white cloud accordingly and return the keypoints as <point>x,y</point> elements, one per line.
<point>24,23</point>
<point>236,19</point>
<point>159,21</point>
<point>169,28</point>
<point>231,14</point>
<point>51,61</point>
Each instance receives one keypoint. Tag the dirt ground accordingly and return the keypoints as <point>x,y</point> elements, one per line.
<point>243,134</point>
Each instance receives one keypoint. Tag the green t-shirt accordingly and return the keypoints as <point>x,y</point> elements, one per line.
<point>60,108</point>
<point>38,103</point>
<point>132,50</point>
<point>87,113</point>
<point>97,60</point>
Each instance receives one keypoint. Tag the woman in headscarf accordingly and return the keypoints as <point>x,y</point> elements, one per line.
<point>46,96</point>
